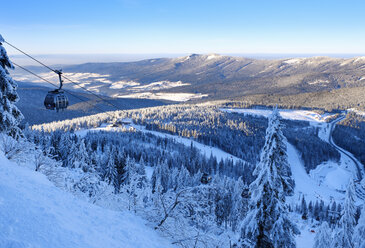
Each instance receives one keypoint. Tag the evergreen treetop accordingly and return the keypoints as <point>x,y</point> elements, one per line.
<point>10,115</point>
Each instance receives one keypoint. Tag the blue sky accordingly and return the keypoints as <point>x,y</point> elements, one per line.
<point>184,26</point>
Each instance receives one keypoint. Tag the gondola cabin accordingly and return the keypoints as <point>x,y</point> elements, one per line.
<point>56,99</point>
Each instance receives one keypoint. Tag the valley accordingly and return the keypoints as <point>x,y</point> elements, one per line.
<point>186,129</point>
<point>326,81</point>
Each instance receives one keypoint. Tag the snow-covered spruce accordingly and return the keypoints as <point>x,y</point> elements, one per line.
<point>267,223</point>
<point>359,233</point>
<point>10,116</point>
<point>343,238</point>
<point>323,238</point>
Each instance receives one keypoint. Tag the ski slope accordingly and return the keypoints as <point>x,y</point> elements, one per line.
<point>36,214</point>
<point>289,114</point>
<point>204,149</point>
<point>305,185</point>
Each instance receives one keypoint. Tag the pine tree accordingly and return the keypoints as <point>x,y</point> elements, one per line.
<point>10,116</point>
<point>343,238</point>
<point>129,170</point>
<point>83,157</point>
<point>267,223</point>
<point>304,209</point>
<point>131,183</point>
<point>323,236</point>
<point>359,233</point>
<point>111,171</point>
<point>65,145</point>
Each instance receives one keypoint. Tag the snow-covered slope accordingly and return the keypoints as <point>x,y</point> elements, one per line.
<point>204,149</point>
<point>36,214</point>
<point>290,114</point>
<point>306,186</point>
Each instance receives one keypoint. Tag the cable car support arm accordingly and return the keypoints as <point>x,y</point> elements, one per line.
<point>59,72</point>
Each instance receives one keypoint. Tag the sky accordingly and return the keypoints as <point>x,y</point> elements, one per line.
<point>184,26</point>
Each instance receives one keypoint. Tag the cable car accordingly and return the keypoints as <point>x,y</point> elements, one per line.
<point>56,99</point>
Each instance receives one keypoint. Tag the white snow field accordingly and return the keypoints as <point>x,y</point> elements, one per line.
<point>305,185</point>
<point>176,97</point>
<point>36,214</point>
<point>289,114</point>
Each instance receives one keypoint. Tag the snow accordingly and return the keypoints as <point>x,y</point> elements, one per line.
<point>306,238</point>
<point>292,61</point>
<point>318,81</point>
<point>79,76</point>
<point>123,84</point>
<point>306,185</point>
<point>359,59</point>
<point>149,171</point>
<point>185,58</point>
<point>133,86</point>
<point>204,149</point>
<point>177,97</point>
<point>356,111</point>
<point>158,86</point>
<point>331,175</point>
<point>290,114</point>
<point>354,60</point>
<point>213,56</point>
<point>36,214</point>
<point>317,185</point>
<point>323,183</point>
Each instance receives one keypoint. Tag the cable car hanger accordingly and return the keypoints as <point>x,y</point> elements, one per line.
<point>56,99</point>
<point>59,72</point>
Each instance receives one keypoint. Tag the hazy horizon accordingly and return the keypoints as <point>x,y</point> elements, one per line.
<point>68,59</point>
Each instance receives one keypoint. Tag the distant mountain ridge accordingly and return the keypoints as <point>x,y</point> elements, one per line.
<point>221,77</point>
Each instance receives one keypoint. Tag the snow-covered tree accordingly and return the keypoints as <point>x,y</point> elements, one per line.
<point>129,170</point>
<point>359,233</point>
<point>64,148</point>
<point>304,209</point>
<point>343,237</point>
<point>267,223</point>
<point>110,171</point>
<point>323,237</point>
<point>240,203</point>
<point>83,157</point>
<point>10,116</point>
